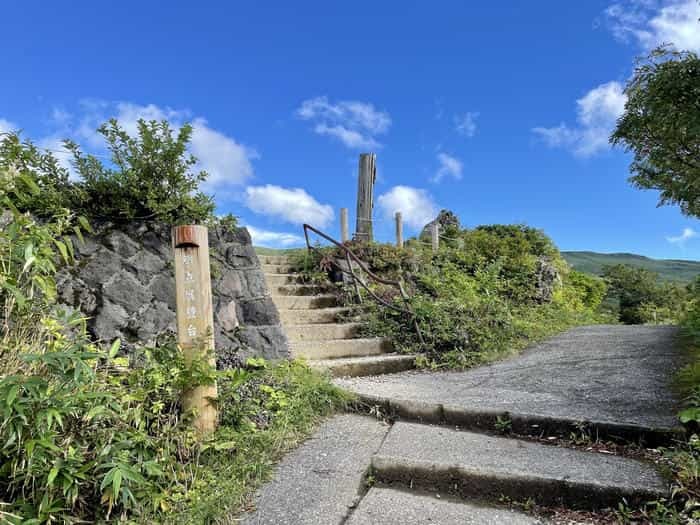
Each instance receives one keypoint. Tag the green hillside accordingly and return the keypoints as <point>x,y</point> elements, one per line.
<point>668,269</point>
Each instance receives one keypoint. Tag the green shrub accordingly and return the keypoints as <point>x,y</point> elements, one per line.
<point>151,177</point>
<point>642,297</point>
<point>583,291</point>
<point>44,187</point>
<point>92,437</point>
<point>479,297</point>
<point>30,252</point>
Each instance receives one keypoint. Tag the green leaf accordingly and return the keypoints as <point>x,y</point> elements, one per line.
<point>689,414</point>
<point>79,234</point>
<point>52,475</point>
<point>31,185</point>
<point>116,482</point>
<point>19,296</point>
<point>62,248</point>
<point>114,348</point>
<point>84,224</point>
<point>12,395</point>
<point>28,263</point>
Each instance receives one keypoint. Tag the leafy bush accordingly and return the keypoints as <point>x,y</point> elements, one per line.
<point>481,295</point>
<point>43,185</point>
<point>642,297</point>
<point>30,252</point>
<point>151,177</point>
<point>92,437</point>
<point>582,291</point>
<point>87,439</point>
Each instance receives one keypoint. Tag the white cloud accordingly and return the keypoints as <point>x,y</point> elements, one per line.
<point>651,23</point>
<point>272,239</point>
<point>416,205</point>
<point>597,112</point>
<point>225,160</point>
<point>6,126</point>
<point>293,205</point>
<point>352,139</point>
<point>352,122</point>
<point>466,124</point>
<point>686,235</point>
<point>449,167</point>
<point>228,162</point>
<point>54,144</point>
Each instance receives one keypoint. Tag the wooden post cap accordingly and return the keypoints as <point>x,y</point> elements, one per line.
<point>188,235</point>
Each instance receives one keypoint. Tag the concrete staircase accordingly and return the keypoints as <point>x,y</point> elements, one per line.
<point>310,316</point>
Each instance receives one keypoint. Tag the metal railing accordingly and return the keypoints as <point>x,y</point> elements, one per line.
<point>350,257</point>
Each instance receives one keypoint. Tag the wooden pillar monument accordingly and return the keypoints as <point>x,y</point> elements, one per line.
<point>435,236</point>
<point>365,196</point>
<point>195,318</point>
<point>344,230</point>
<point>399,230</point>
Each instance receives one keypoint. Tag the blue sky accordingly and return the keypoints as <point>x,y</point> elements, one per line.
<point>498,111</point>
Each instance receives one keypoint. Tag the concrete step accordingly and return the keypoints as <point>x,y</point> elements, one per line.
<point>274,280</point>
<point>274,259</point>
<point>321,331</point>
<point>300,302</point>
<point>394,507</point>
<point>300,289</point>
<point>319,483</point>
<point>339,348</point>
<point>277,268</point>
<point>485,467</point>
<point>366,366</point>
<point>291,317</point>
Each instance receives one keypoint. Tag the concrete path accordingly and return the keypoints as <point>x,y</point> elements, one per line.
<point>615,377</point>
<point>488,467</point>
<point>321,481</point>
<point>393,507</point>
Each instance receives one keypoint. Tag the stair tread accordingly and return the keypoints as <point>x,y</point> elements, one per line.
<point>492,465</point>
<point>393,356</point>
<point>304,302</point>
<point>319,325</point>
<point>394,507</point>
<point>356,340</point>
<point>329,309</point>
<point>334,349</point>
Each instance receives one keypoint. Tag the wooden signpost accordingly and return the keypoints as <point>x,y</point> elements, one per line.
<point>435,236</point>
<point>195,318</point>
<point>344,231</point>
<point>365,196</point>
<point>399,230</point>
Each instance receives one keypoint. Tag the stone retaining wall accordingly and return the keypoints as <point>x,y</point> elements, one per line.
<point>124,281</point>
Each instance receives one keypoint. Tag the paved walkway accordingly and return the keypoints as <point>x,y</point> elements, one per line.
<point>609,375</point>
<point>614,378</point>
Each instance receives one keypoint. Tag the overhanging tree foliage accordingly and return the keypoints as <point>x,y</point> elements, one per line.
<point>661,126</point>
<point>150,177</point>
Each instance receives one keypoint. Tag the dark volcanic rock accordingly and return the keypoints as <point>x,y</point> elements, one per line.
<point>123,280</point>
<point>445,218</point>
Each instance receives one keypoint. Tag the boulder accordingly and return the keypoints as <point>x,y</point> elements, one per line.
<point>444,219</point>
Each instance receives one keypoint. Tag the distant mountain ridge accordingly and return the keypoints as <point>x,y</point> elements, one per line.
<point>668,269</point>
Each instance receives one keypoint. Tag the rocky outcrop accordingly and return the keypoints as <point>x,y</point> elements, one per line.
<point>444,219</point>
<point>547,278</point>
<point>123,281</point>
